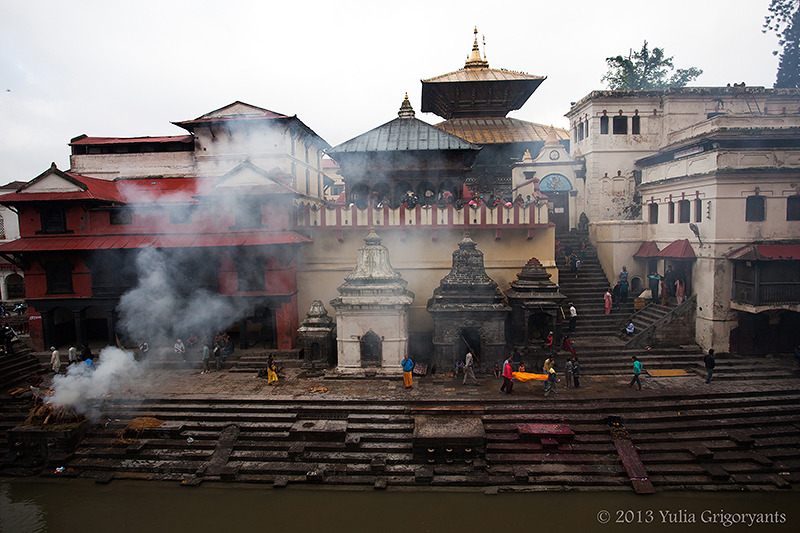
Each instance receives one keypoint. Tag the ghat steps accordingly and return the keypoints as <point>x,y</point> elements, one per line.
<point>717,441</point>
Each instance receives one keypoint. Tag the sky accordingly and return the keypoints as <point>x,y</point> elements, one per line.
<point>128,69</point>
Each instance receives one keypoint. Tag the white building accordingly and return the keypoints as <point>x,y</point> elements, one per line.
<point>717,169</point>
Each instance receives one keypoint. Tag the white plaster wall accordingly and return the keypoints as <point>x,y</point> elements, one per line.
<point>113,166</point>
<point>390,324</point>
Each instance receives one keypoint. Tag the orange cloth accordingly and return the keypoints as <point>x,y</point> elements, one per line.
<point>527,376</point>
<point>407,380</point>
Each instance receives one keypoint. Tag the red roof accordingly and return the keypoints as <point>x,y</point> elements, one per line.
<point>91,189</point>
<point>132,140</point>
<point>766,252</point>
<point>680,249</point>
<point>188,240</point>
<point>647,249</point>
<point>163,189</point>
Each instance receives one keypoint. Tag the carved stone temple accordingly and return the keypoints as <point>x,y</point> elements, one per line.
<point>317,337</point>
<point>372,313</point>
<point>535,303</point>
<point>468,311</point>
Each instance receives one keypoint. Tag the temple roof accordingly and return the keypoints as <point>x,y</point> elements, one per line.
<point>477,90</point>
<point>533,288</point>
<point>500,130</point>
<point>403,134</point>
<point>467,286</point>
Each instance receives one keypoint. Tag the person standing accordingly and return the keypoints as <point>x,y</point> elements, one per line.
<point>546,368</point>
<point>272,370</point>
<point>408,366</point>
<point>669,277</point>
<point>180,349</point>
<point>206,358</point>
<point>468,371</point>
<point>710,364</point>
<point>637,369</point>
<point>655,282</point>
<point>55,360</point>
<point>664,291</point>
<point>73,355</point>
<point>218,356</point>
<point>576,372</point>
<point>680,289</point>
<point>623,284</point>
<point>573,318</point>
<point>608,300</point>
<point>552,379</point>
<point>568,375</point>
<point>86,352</point>
<point>508,385</point>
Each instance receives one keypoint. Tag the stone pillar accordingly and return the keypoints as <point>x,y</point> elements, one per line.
<point>48,329</point>
<point>111,322</point>
<point>78,316</point>
<point>243,334</point>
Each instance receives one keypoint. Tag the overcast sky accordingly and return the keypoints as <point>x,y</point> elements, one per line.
<point>127,69</point>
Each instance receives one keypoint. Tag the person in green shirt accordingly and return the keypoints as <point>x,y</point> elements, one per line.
<point>637,369</point>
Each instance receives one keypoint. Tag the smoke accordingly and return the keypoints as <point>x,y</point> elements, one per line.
<point>83,384</point>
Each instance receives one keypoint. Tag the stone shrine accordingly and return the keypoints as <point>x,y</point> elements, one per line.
<point>469,312</point>
<point>534,301</point>
<point>372,313</point>
<point>317,337</point>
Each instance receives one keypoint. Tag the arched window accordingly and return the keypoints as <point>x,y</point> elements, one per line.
<point>653,213</point>
<point>683,211</point>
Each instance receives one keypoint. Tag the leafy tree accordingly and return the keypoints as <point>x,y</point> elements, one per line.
<point>646,70</point>
<point>784,20</point>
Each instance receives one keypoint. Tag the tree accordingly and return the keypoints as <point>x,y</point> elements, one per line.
<point>646,70</point>
<point>784,20</point>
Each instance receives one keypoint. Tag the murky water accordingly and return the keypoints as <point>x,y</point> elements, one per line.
<point>34,505</point>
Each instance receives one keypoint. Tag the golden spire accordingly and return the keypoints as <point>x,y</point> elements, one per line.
<point>552,137</point>
<point>406,111</point>
<point>475,61</point>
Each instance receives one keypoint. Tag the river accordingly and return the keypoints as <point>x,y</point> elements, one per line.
<point>53,505</point>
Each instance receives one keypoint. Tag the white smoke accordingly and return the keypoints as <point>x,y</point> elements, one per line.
<point>83,384</point>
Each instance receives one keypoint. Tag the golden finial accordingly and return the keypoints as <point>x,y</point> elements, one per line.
<point>406,111</point>
<point>474,60</point>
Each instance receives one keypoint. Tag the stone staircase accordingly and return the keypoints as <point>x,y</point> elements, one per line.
<point>17,368</point>
<point>729,441</point>
<point>653,316</point>
<point>593,327</point>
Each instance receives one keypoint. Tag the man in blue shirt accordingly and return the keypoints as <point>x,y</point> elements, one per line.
<point>408,366</point>
<point>637,369</point>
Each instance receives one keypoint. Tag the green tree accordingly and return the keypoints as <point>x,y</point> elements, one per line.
<point>646,69</point>
<point>784,20</point>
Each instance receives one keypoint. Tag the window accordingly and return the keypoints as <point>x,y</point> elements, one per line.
<point>754,209</point>
<point>53,220</point>
<point>586,127</point>
<point>620,126</point>
<point>2,228</point>
<point>604,125</point>
<point>654,213</point>
<point>698,210</point>
<point>119,216</point>
<point>580,131</point>
<point>671,212</point>
<point>58,275</point>
<point>308,182</point>
<point>635,125</point>
<point>793,207</point>
<point>683,211</point>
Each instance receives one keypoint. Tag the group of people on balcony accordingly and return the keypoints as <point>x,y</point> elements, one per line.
<point>362,199</point>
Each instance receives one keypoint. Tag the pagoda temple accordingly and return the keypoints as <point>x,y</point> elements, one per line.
<point>474,102</point>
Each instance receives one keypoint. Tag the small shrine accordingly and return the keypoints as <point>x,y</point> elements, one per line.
<point>372,313</point>
<point>317,337</point>
<point>469,312</point>
<point>535,302</point>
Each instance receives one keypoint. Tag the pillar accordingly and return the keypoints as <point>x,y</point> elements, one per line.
<point>243,334</point>
<point>78,316</point>
<point>112,326</point>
